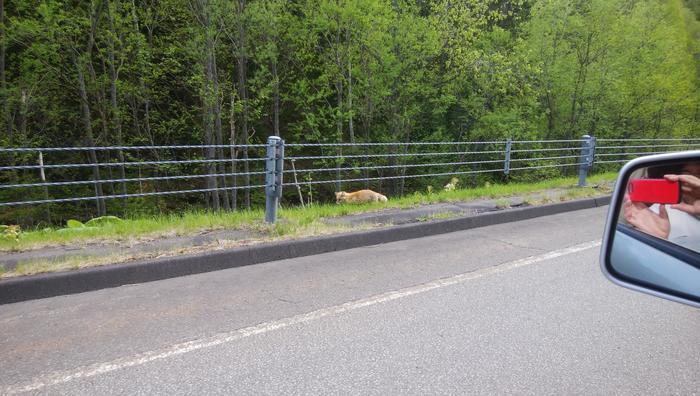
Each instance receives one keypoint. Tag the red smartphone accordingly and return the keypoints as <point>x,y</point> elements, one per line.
<point>659,191</point>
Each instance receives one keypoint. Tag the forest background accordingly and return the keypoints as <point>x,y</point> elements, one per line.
<point>167,72</point>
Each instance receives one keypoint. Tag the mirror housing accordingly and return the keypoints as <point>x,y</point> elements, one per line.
<point>643,258</point>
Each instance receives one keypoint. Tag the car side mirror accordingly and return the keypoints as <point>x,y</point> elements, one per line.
<point>652,236</point>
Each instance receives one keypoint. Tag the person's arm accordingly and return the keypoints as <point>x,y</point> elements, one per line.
<point>641,217</point>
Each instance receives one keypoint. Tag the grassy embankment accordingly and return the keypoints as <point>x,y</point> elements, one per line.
<point>294,221</point>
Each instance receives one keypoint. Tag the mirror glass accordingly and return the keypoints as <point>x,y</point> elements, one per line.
<point>664,202</point>
<point>657,235</point>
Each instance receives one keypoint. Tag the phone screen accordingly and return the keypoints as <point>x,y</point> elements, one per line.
<point>660,191</point>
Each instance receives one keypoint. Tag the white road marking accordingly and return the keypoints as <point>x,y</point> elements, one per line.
<point>223,338</point>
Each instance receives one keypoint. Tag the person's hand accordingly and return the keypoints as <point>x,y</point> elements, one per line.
<point>690,188</point>
<point>644,219</point>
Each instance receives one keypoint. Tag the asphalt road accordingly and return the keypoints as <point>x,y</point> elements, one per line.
<point>513,308</point>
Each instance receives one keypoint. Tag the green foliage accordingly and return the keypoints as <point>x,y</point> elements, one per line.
<point>10,232</point>
<point>614,68</point>
<point>393,70</point>
<point>452,185</point>
<point>216,71</point>
<point>72,224</point>
<point>103,221</point>
<point>92,224</point>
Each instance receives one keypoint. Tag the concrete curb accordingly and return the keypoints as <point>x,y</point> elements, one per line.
<point>89,279</point>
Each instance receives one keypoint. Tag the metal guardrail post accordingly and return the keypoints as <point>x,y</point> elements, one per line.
<point>274,169</point>
<point>279,169</point>
<point>591,153</point>
<point>506,164</point>
<point>584,160</point>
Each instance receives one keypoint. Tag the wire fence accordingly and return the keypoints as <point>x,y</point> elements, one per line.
<point>98,180</point>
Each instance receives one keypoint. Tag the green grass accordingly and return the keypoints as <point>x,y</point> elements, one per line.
<point>502,203</point>
<point>130,229</point>
<point>293,221</point>
<point>439,216</point>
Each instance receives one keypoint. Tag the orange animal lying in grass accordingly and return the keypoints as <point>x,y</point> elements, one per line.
<point>359,197</point>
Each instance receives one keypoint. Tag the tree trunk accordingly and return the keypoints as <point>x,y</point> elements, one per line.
<point>233,151</point>
<point>551,114</point>
<point>116,116</point>
<point>549,98</point>
<point>102,106</point>
<point>395,107</point>
<point>367,117</point>
<point>243,93</point>
<point>339,132</point>
<point>339,109</point>
<point>7,125</point>
<point>134,105</point>
<point>208,107</point>
<point>23,114</point>
<point>351,129</point>
<point>87,125</point>
<point>584,61</point>
<point>80,64</point>
<point>218,131</point>
<point>276,98</point>
<point>403,169</point>
<point>144,98</point>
